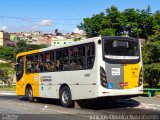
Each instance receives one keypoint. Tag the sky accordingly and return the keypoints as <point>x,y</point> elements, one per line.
<point>64,15</point>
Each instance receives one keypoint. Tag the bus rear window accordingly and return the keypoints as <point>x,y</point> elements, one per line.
<point>121,48</point>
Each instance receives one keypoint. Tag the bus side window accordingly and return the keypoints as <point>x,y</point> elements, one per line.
<point>77,58</point>
<point>30,66</point>
<point>20,68</point>
<point>49,64</point>
<point>58,60</point>
<point>90,50</point>
<point>41,65</point>
<point>90,62</point>
<point>65,60</point>
<point>36,62</point>
<point>57,64</point>
<point>90,55</point>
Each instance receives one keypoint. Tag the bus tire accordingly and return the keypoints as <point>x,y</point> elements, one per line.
<point>29,94</point>
<point>66,97</point>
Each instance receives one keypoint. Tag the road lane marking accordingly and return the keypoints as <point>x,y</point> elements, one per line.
<point>148,106</point>
<point>141,105</point>
<point>7,93</point>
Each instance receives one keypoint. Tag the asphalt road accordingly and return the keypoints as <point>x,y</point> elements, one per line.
<point>14,107</point>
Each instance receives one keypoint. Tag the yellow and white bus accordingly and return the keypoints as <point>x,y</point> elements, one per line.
<point>91,68</point>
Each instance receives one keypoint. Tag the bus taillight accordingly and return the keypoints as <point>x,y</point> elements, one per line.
<point>103,77</point>
<point>140,77</point>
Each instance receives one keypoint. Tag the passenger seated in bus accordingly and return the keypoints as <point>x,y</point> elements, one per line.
<point>28,68</point>
<point>65,65</point>
<point>39,67</point>
<point>72,65</point>
<point>52,66</point>
<point>46,67</point>
<point>32,67</point>
<point>49,66</point>
<point>78,65</point>
<point>57,64</point>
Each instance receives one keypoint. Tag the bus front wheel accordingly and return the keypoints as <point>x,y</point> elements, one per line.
<point>66,97</point>
<point>29,94</point>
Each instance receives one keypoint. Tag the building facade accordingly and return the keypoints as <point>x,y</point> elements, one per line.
<point>5,39</point>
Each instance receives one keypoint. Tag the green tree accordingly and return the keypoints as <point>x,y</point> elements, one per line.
<point>6,73</point>
<point>108,32</point>
<point>151,58</point>
<point>6,53</point>
<point>22,46</point>
<point>140,23</point>
<point>9,53</point>
<point>92,25</point>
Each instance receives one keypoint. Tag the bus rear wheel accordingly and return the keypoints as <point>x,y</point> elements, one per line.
<point>29,94</point>
<point>66,97</point>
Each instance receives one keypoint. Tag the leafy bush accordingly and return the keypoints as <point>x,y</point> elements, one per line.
<point>6,73</point>
<point>152,74</point>
<point>108,32</point>
<point>7,53</point>
<point>151,59</point>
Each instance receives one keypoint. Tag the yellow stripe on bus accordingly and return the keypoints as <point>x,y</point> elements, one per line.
<point>27,53</point>
<point>131,75</point>
<point>32,79</point>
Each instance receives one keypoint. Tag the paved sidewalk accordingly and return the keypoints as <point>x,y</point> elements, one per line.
<point>7,93</point>
<point>148,100</point>
<point>152,103</point>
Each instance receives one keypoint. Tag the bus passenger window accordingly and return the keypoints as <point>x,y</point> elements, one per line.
<point>62,59</point>
<point>20,68</point>
<point>49,66</point>
<point>47,57</point>
<point>52,66</point>
<point>90,62</point>
<point>77,57</point>
<point>90,50</point>
<point>57,64</point>
<point>49,62</point>
<point>90,55</point>
<point>30,64</point>
<point>41,65</point>
<point>81,63</point>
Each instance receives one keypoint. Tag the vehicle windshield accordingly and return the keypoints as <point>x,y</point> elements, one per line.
<point>121,49</point>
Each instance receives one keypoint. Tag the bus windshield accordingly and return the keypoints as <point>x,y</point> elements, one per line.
<point>121,49</point>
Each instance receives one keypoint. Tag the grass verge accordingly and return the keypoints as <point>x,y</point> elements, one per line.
<point>8,88</point>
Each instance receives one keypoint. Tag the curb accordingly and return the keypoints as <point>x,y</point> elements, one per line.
<point>157,96</point>
<point>7,93</point>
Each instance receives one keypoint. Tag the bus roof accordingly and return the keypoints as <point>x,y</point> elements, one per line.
<point>28,52</point>
<point>72,44</point>
<point>59,46</point>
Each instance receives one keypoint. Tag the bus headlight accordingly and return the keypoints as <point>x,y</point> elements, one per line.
<point>140,78</point>
<point>103,77</point>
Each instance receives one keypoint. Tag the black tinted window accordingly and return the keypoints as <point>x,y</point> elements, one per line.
<point>19,68</point>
